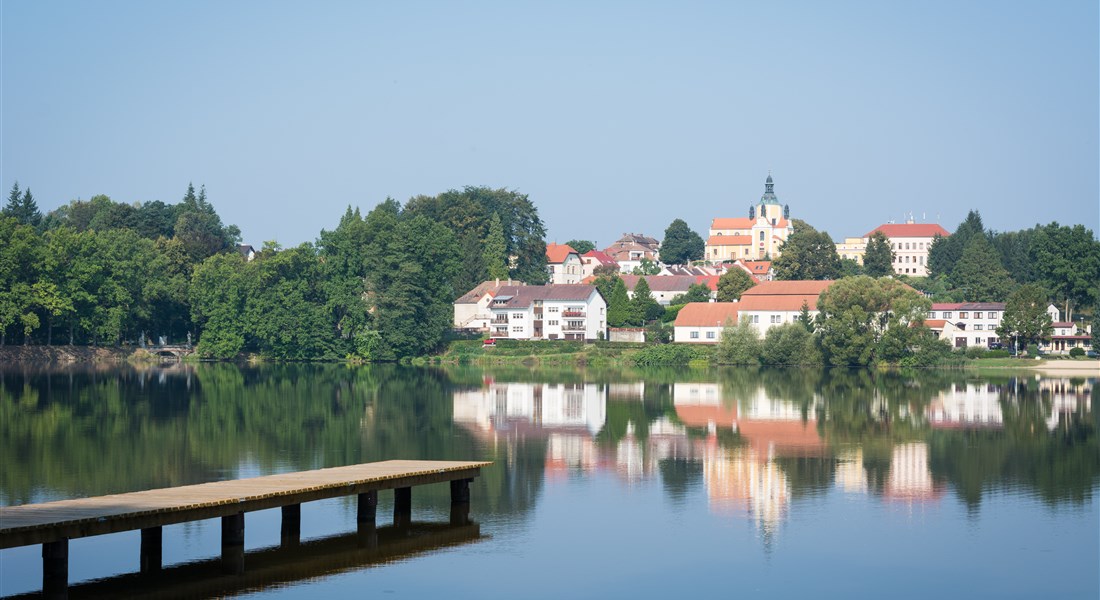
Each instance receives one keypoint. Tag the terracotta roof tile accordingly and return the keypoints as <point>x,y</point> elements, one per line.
<point>732,223</point>
<point>557,253</point>
<point>706,314</point>
<point>794,287</point>
<point>910,230</point>
<point>729,240</point>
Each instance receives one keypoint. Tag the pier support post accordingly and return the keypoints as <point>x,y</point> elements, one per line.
<point>151,549</point>
<point>460,491</point>
<point>368,507</point>
<point>233,543</point>
<point>291,532</point>
<point>55,569</point>
<point>402,506</point>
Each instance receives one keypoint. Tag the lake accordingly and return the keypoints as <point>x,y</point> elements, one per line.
<point>605,483</point>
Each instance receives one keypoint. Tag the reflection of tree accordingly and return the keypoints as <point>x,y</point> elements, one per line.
<point>681,477</point>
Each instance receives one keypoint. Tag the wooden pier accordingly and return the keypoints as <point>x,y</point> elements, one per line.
<point>53,524</point>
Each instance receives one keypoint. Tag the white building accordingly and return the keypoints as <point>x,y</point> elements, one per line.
<point>563,264</point>
<point>910,242</point>
<point>472,308</point>
<point>549,312</point>
<point>967,323</point>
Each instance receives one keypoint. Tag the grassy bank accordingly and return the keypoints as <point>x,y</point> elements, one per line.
<point>535,353</point>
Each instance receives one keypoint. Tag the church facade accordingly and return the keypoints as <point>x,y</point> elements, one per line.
<point>759,236</point>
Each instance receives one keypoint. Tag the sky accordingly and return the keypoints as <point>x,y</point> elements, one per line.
<point>612,117</point>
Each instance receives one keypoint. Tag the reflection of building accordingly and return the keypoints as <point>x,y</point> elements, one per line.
<point>910,476</point>
<point>560,407</point>
<point>966,405</point>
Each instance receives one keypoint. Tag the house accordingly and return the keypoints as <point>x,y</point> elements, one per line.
<point>1066,335</point>
<point>552,312</point>
<point>760,235</point>
<point>472,308</point>
<point>247,251</point>
<point>760,270</point>
<point>966,324</point>
<point>764,306</point>
<point>663,287</point>
<point>702,322</point>
<point>852,248</point>
<point>631,249</point>
<point>594,258</point>
<point>910,242</point>
<point>563,263</point>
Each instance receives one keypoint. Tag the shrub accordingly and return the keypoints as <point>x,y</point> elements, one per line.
<point>1000,353</point>
<point>975,352</point>
<point>739,345</point>
<point>790,344</point>
<point>672,354</point>
<point>1076,352</point>
<point>1032,350</point>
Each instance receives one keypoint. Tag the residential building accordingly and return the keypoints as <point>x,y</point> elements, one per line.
<point>853,248</point>
<point>760,270</point>
<point>702,322</point>
<point>760,235</point>
<point>1066,335</point>
<point>247,251</point>
<point>663,287</point>
<point>563,263</point>
<point>550,312</point>
<point>594,258</point>
<point>472,308</point>
<point>966,324</point>
<point>910,242</point>
<point>631,249</point>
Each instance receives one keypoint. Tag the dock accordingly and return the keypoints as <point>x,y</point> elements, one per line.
<point>53,524</point>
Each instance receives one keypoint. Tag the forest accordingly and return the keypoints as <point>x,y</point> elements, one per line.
<point>378,286</point>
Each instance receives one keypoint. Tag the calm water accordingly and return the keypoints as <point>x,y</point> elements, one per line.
<point>772,483</point>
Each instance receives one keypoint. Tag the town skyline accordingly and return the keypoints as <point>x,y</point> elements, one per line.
<point>611,118</point>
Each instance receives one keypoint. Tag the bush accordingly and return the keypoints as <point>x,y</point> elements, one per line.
<point>739,345</point>
<point>790,344</point>
<point>975,352</point>
<point>672,354</point>
<point>1032,350</point>
<point>1000,353</point>
<point>1076,352</point>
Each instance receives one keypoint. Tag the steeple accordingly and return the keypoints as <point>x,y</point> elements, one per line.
<point>769,191</point>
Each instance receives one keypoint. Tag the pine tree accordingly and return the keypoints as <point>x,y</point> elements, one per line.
<point>643,306</point>
<point>618,306</point>
<point>878,260</point>
<point>495,249</point>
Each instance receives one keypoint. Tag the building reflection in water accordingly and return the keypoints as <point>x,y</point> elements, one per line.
<point>746,444</point>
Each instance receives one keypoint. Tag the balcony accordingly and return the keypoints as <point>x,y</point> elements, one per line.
<point>573,313</point>
<point>499,321</point>
<point>577,327</point>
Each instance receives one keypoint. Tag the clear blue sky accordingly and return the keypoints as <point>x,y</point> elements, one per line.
<point>612,116</point>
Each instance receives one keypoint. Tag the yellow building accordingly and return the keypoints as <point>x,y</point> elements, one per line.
<point>760,235</point>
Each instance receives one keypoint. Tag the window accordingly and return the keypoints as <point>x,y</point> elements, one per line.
<point>777,318</point>
<point>761,236</point>
<point>964,315</point>
<point>551,322</point>
<point>931,314</point>
<point>977,315</point>
<point>993,315</point>
<point>947,314</point>
<point>755,319</point>
<point>694,335</point>
<point>978,327</point>
<point>710,335</point>
<point>517,329</point>
<point>517,315</point>
<point>552,309</point>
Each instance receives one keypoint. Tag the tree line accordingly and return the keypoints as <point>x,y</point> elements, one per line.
<point>379,286</point>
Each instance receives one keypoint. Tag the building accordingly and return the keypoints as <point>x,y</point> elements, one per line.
<point>774,303</point>
<point>910,242</point>
<point>759,236</point>
<point>966,324</point>
<point>702,322</point>
<point>593,259</point>
<point>852,248</point>
<point>548,312</point>
<point>663,287</point>
<point>563,264</point>
<point>1066,335</point>
<point>631,249</point>
<point>472,308</point>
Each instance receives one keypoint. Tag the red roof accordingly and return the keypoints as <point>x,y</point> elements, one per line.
<point>910,230</point>
<point>729,240</point>
<point>706,314</point>
<point>792,287</point>
<point>557,253</point>
<point>781,302</point>
<point>735,223</point>
<point>757,266</point>
<point>600,257</point>
<point>711,281</point>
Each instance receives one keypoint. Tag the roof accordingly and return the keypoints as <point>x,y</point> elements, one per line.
<point>910,230</point>
<point>635,238</point>
<point>516,296</point>
<point>733,223</point>
<point>968,306</point>
<point>935,323</point>
<point>661,283</point>
<point>485,287</point>
<point>711,281</point>
<point>784,302</point>
<point>757,266</point>
<point>557,253</point>
<point>729,240</point>
<point>706,314</point>
<point>1063,324</point>
<point>793,287</point>
<point>600,257</point>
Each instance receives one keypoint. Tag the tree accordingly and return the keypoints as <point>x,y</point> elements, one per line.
<point>733,283</point>
<point>618,305</point>
<point>980,274</point>
<point>22,207</point>
<point>739,345</point>
<point>850,267</point>
<point>807,254</point>
<point>647,267</point>
<point>581,246</point>
<point>863,320</point>
<point>790,344</point>
<point>945,252</point>
<point>696,292</point>
<point>1026,320</point>
<point>494,254</point>
<point>644,307</point>
<point>878,259</point>
<point>1070,259</point>
<point>602,270</point>
<point>805,319</point>
<point>681,245</point>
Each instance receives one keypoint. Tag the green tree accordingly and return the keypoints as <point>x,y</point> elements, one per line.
<point>807,254</point>
<point>850,267</point>
<point>790,344</point>
<point>946,251</point>
<point>22,207</point>
<point>495,252</point>
<point>805,318</point>
<point>739,345</point>
<point>1026,320</point>
<point>732,284</point>
<point>878,259</point>
<point>618,305</point>
<point>647,267</point>
<point>1070,259</point>
<point>218,295</point>
<point>581,246</point>
<point>681,245</point>
<point>605,285</point>
<point>643,306</point>
<point>607,270</point>
<point>979,273</point>
<point>862,320</point>
<point>20,257</point>
<point>696,292</point>
<point>199,229</point>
